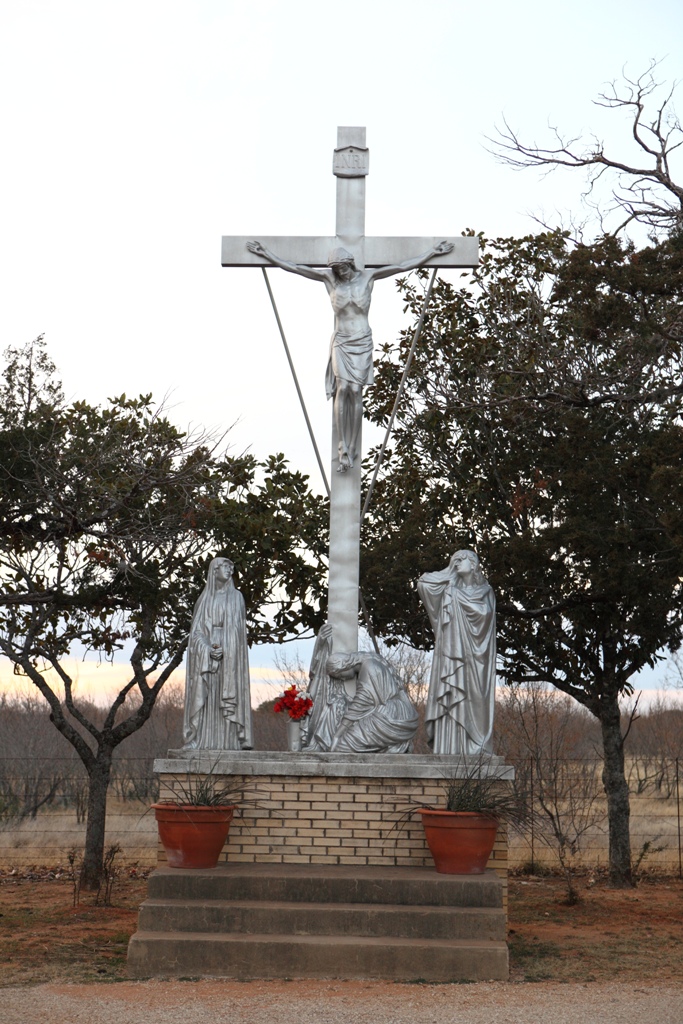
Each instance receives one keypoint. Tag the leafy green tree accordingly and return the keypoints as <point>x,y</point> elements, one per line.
<point>541,425</point>
<point>108,519</point>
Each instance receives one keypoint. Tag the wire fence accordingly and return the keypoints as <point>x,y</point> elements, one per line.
<point>43,803</point>
<point>569,827</point>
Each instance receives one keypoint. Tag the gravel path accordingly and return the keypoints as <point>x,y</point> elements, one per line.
<point>335,1002</point>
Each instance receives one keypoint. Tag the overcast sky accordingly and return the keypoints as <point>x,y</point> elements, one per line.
<point>135,134</point>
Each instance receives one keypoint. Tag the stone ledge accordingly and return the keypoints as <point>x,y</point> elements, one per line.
<point>283,762</point>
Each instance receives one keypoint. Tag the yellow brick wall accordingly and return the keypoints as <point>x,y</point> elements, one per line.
<point>288,819</point>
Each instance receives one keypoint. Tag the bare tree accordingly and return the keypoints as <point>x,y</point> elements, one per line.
<point>546,730</point>
<point>655,745</point>
<point>34,766</point>
<point>645,189</point>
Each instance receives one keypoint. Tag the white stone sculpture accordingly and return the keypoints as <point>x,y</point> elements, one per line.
<point>329,698</point>
<point>217,697</point>
<point>350,167</point>
<point>377,719</point>
<point>462,610</point>
<point>380,718</point>
<point>349,366</point>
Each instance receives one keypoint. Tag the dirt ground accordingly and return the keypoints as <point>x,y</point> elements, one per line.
<point>633,935</point>
<point>626,935</point>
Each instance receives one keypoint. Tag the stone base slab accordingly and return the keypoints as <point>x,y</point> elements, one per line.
<point>371,766</point>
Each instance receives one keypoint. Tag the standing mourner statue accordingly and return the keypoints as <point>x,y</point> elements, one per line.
<point>217,697</point>
<point>462,610</point>
<point>349,367</point>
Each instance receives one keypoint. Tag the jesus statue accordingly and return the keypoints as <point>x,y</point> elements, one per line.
<point>349,367</point>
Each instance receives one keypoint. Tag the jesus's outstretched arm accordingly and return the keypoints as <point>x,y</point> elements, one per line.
<point>313,273</point>
<point>399,268</point>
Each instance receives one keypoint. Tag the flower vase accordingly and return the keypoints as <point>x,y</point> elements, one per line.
<point>294,733</point>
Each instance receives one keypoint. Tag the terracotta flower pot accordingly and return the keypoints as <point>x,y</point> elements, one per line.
<point>459,841</point>
<point>192,837</point>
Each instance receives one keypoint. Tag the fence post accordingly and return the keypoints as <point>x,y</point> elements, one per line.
<point>533,816</point>
<point>678,816</point>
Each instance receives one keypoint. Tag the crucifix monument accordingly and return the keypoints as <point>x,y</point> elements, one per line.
<point>348,263</point>
<point>359,735</point>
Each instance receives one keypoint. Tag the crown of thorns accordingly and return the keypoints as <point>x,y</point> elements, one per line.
<point>339,256</point>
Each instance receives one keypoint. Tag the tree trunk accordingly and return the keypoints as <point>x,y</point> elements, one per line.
<point>93,854</point>
<point>616,789</point>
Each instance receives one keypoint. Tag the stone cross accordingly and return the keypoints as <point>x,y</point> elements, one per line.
<point>350,166</point>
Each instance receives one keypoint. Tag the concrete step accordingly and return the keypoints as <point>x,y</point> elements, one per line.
<point>267,917</point>
<point>328,884</point>
<point>244,957</point>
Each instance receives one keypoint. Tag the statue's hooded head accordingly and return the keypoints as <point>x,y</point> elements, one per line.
<point>477,575</point>
<point>341,258</point>
<point>344,666</point>
<point>380,681</point>
<point>219,569</point>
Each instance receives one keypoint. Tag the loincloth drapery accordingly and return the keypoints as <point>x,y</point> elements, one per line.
<point>350,360</point>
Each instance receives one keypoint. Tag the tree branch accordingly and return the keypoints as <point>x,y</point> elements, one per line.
<point>654,210</point>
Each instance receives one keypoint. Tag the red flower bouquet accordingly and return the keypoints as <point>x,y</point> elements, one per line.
<point>294,702</point>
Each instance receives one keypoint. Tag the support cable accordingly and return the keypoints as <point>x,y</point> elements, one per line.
<point>296,383</point>
<point>678,815</point>
<point>399,395</point>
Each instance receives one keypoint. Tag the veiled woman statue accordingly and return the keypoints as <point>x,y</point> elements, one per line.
<point>217,697</point>
<point>379,717</point>
<point>462,610</point>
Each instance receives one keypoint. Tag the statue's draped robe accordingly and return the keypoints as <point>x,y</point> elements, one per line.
<point>329,701</point>
<point>350,359</point>
<point>460,705</point>
<point>350,350</point>
<point>217,697</point>
<point>380,716</point>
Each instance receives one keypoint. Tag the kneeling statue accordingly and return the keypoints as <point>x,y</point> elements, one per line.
<point>379,718</point>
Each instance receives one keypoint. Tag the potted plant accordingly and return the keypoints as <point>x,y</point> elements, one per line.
<point>193,828</point>
<point>461,833</point>
<point>297,704</point>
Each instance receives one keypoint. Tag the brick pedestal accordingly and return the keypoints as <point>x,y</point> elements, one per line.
<point>337,809</point>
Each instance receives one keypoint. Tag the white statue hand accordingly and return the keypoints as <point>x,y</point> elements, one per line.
<point>216,653</point>
<point>256,248</point>
<point>442,248</point>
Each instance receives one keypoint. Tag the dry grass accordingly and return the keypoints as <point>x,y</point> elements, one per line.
<point>48,838</point>
<point>654,821</point>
